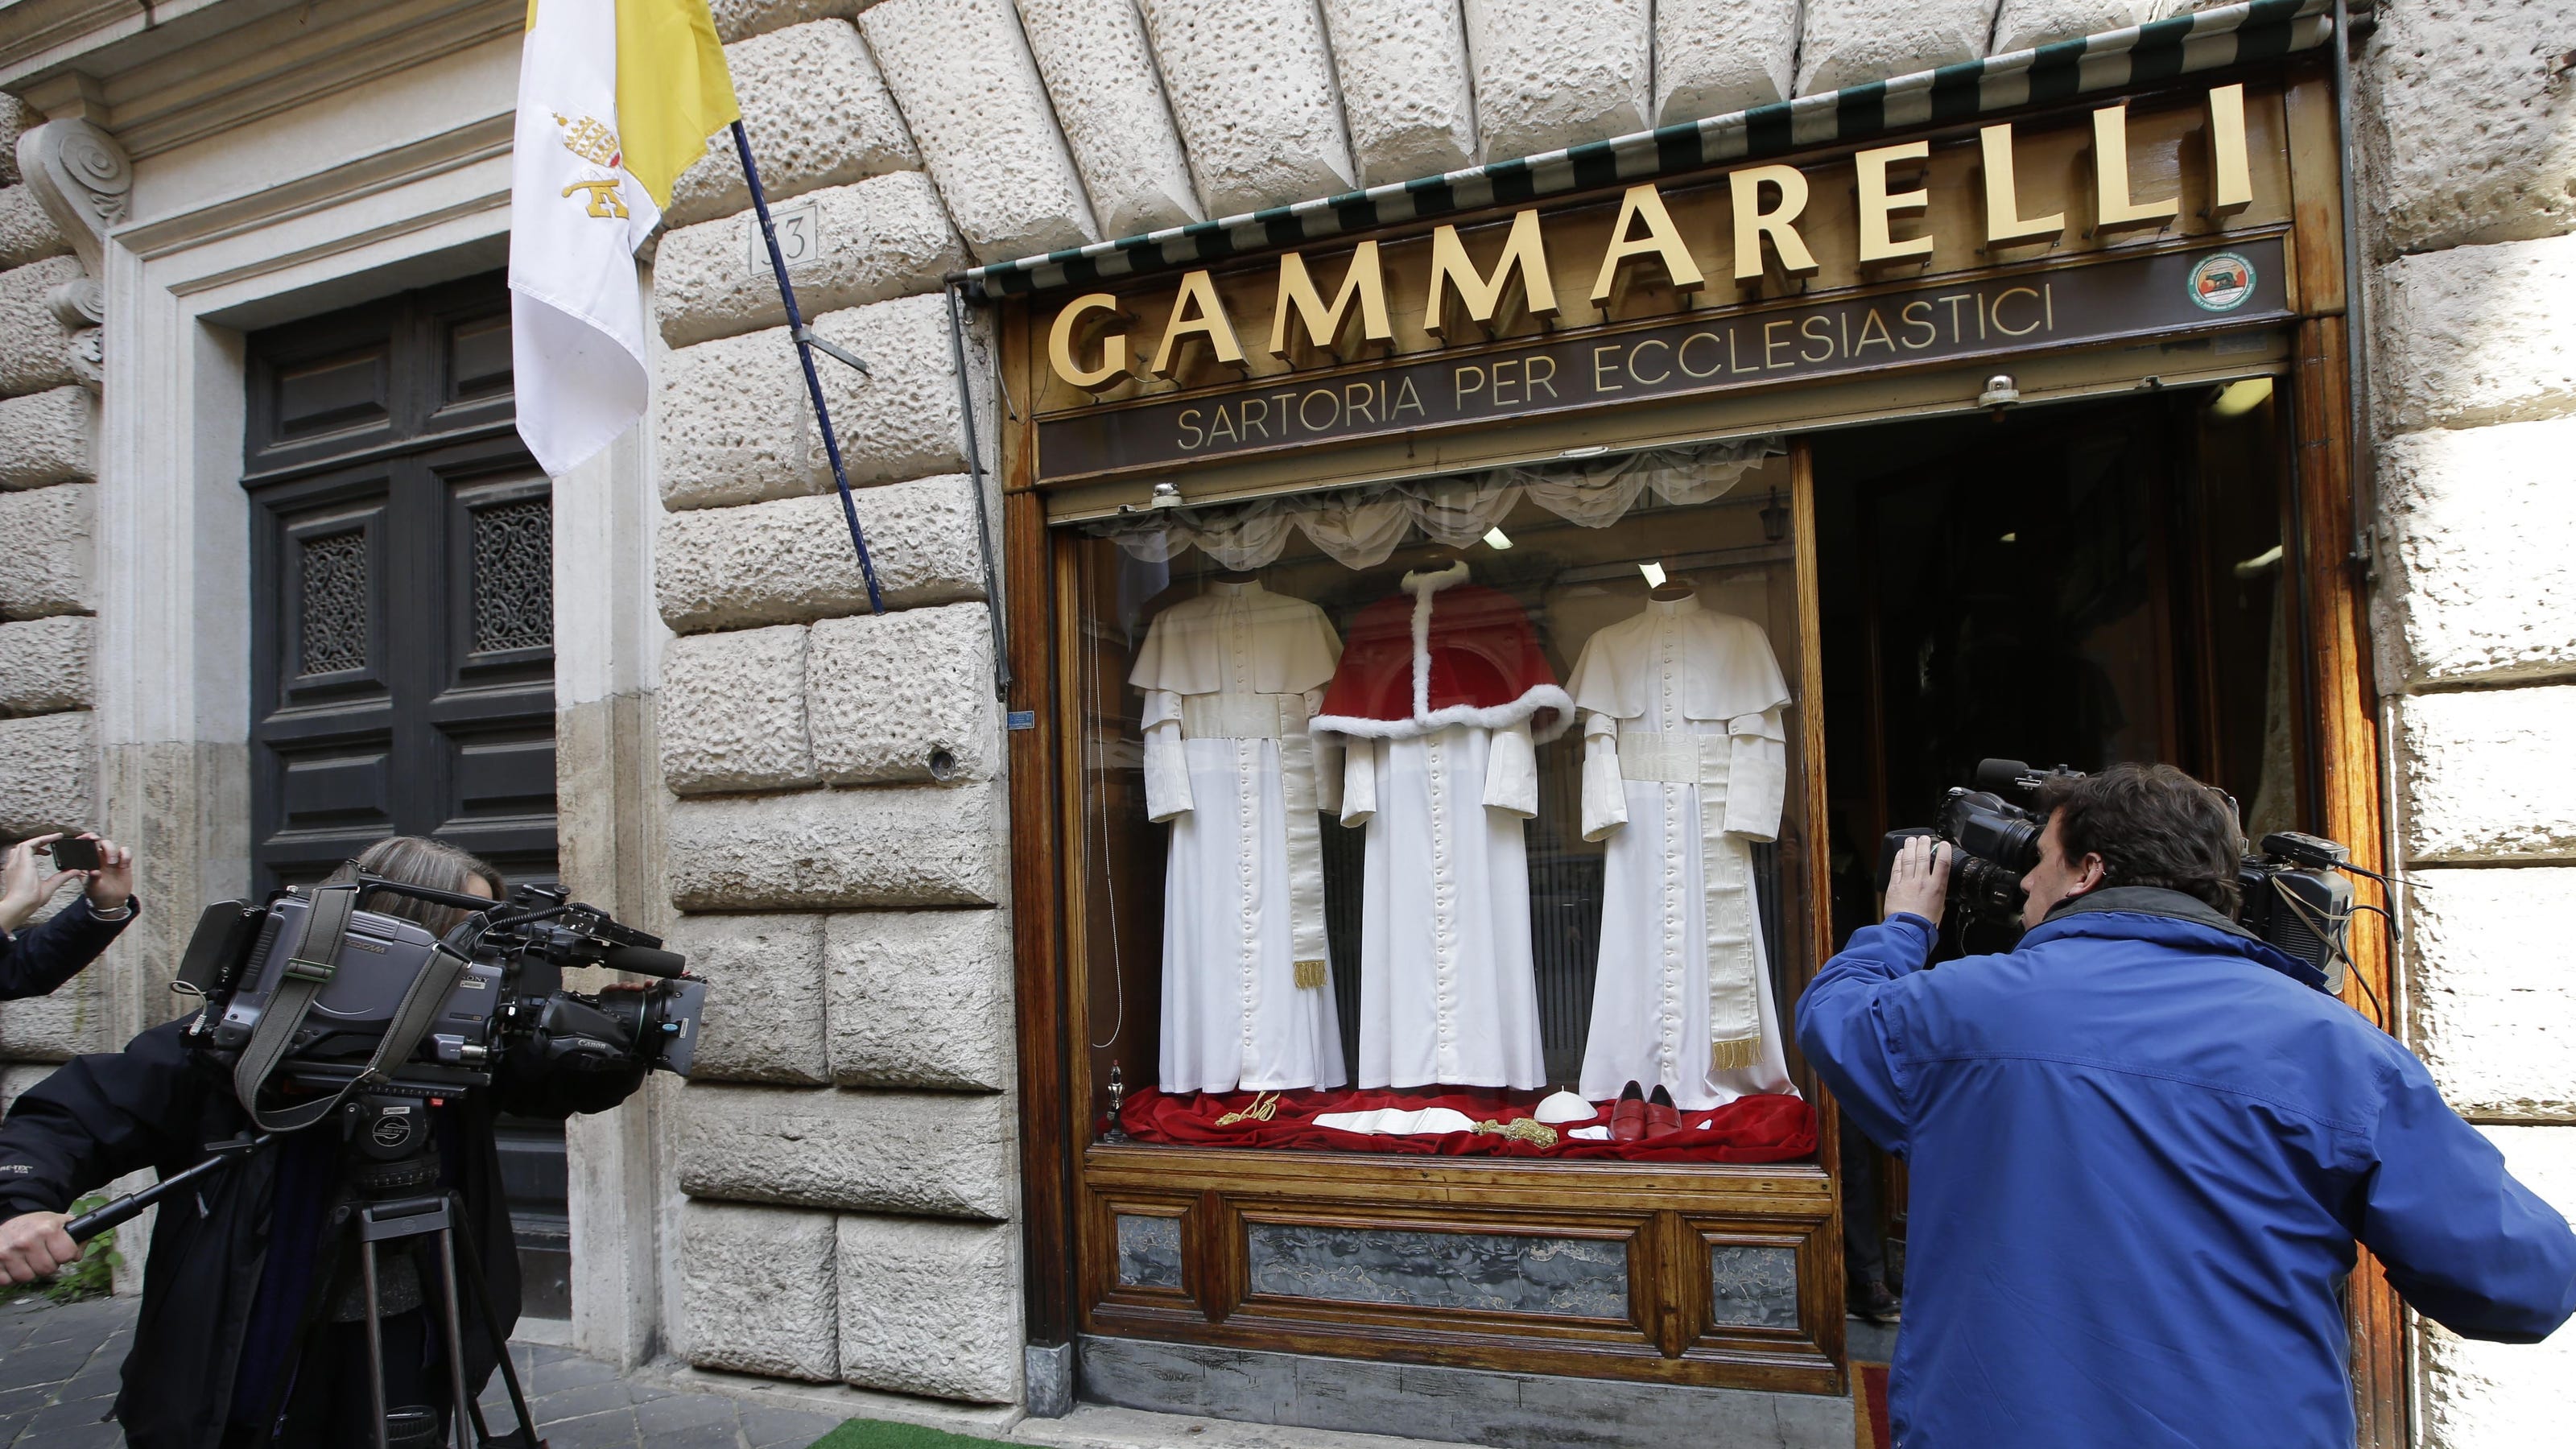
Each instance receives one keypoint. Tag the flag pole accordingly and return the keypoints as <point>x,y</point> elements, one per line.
<point>806,341</point>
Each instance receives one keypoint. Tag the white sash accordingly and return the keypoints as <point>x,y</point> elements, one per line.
<point>1726,868</point>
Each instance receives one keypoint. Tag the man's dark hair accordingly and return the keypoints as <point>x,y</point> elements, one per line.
<point>2152,825</point>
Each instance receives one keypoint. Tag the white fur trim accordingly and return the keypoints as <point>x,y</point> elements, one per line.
<point>1425,721</point>
<point>1501,716</point>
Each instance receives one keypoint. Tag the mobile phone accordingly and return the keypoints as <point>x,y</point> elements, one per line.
<point>72,854</point>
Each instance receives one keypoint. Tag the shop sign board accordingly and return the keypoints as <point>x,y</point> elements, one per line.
<point>2161,217</point>
<point>2104,299</point>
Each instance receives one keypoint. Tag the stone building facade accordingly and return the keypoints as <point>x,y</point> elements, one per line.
<point>812,801</point>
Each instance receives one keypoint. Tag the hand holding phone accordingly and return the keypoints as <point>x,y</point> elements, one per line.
<point>76,854</point>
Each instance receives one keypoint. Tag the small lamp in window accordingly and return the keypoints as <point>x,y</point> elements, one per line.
<point>1775,519</point>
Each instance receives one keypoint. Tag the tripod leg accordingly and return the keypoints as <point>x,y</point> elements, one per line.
<point>473,1276</point>
<point>375,1341</point>
<point>455,1332</point>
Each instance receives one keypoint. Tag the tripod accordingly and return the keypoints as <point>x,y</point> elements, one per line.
<point>390,1174</point>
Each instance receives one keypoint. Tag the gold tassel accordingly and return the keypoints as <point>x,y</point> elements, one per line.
<point>1735,1056</point>
<point>1265,1105</point>
<point>1310,975</point>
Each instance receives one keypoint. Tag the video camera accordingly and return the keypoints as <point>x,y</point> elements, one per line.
<point>312,992</point>
<point>2293,894</point>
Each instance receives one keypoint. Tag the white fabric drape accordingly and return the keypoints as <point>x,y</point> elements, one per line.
<point>1684,767</point>
<point>1359,527</point>
<point>1230,679</point>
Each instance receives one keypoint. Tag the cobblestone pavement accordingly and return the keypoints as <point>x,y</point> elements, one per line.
<point>58,1374</point>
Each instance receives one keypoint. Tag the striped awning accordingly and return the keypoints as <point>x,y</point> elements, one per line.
<point>2206,40</point>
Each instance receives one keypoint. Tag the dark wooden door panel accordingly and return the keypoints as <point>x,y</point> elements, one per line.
<point>402,546</point>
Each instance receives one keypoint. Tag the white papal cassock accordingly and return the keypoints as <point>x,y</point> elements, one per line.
<point>1436,701</point>
<point>1684,767</point>
<point>1230,678</point>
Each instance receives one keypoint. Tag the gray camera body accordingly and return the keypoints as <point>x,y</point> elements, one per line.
<point>508,991</point>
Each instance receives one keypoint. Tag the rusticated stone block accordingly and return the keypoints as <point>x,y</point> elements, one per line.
<point>48,564</point>
<point>1109,99</point>
<point>920,999</point>
<point>2475,134</point>
<point>880,238</point>
<point>1252,87</point>
<point>48,438</point>
<point>2489,774</point>
<point>930,1308</point>
<point>961,70</point>
<point>2497,1033</point>
<point>35,346</point>
<point>73,1020</point>
<point>1846,42</point>
<point>791,560</point>
<point>2477,334</point>
<point>2029,24</point>
<point>2482,1395</point>
<point>890,697</point>
<point>817,113</point>
<point>18,1077</point>
<point>45,664</point>
<point>27,234</point>
<point>1556,73</point>
<point>737,424</point>
<point>2466,600</point>
<point>760,1290</point>
<point>733,711</point>
<point>887,846</point>
<point>933,1154</point>
<point>17,118</point>
<point>48,774</point>
<point>764,1015</point>
<point>743,19</point>
<point>1717,57</point>
<point>1406,97</point>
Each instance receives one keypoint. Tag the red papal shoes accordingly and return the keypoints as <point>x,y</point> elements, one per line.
<point>1661,1115</point>
<point>1628,1114</point>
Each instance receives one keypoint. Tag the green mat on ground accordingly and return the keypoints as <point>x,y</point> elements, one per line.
<point>879,1434</point>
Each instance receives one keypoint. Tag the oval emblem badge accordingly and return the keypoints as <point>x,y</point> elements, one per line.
<point>2222,282</point>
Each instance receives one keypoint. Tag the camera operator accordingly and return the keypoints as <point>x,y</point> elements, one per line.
<point>248,1330</point>
<point>2141,1152</point>
<point>37,962</point>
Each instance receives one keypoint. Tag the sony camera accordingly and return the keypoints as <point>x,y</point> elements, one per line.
<point>2292,894</point>
<point>504,972</point>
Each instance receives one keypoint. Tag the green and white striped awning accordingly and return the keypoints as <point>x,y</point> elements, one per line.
<point>2206,40</point>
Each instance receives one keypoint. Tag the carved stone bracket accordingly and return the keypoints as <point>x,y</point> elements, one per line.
<point>81,177</point>
<point>87,354</point>
<point>80,302</point>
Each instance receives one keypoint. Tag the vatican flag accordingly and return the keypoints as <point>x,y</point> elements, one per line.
<point>616,99</point>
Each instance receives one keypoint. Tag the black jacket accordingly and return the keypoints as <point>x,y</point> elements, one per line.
<point>155,1105</point>
<point>35,961</point>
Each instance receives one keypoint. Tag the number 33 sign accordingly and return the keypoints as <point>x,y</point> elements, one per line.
<point>800,234</point>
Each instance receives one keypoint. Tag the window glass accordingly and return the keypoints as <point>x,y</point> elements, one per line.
<point>1402,810</point>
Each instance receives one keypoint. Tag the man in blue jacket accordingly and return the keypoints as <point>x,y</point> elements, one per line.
<point>2141,1153</point>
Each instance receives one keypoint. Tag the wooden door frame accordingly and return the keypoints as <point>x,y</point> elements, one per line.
<point>2342,787</point>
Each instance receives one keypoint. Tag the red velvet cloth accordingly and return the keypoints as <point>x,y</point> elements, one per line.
<point>1748,1129</point>
<point>1480,654</point>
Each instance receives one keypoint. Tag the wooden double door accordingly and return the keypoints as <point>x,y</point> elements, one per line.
<point>402,654</point>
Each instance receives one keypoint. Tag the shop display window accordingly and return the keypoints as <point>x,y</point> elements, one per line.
<point>1428,817</point>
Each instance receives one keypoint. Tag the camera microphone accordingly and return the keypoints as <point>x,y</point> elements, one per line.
<point>645,961</point>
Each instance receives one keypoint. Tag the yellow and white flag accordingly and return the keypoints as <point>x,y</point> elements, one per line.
<point>616,99</point>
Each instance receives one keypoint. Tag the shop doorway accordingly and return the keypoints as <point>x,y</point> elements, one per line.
<point>402,669</point>
<point>2079,584</point>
